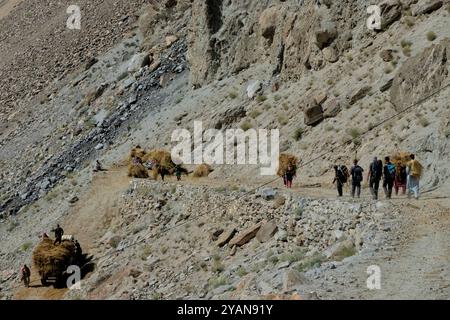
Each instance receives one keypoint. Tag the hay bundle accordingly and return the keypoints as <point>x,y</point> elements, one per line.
<point>50,259</point>
<point>285,161</point>
<point>137,170</point>
<point>202,171</point>
<point>137,152</point>
<point>162,158</point>
<point>401,158</point>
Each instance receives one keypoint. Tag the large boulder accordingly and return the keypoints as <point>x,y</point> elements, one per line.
<point>138,61</point>
<point>267,231</point>
<point>332,108</point>
<point>246,235</point>
<point>226,236</point>
<point>391,11</point>
<point>253,88</point>
<point>426,7</point>
<point>421,75</point>
<point>357,95</point>
<point>313,114</point>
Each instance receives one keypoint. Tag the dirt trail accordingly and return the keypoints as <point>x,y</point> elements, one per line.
<point>6,6</point>
<point>419,268</point>
<point>417,263</point>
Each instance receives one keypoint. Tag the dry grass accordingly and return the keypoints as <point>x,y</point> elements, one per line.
<point>285,161</point>
<point>137,171</point>
<point>202,171</point>
<point>48,257</point>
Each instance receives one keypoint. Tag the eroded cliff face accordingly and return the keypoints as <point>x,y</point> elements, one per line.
<point>291,36</point>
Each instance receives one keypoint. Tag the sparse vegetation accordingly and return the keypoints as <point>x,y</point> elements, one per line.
<point>298,134</point>
<point>218,281</point>
<point>255,113</point>
<point>406,46</point>
<point>12,225</point>
<point>241,272</point>
<point>283,120</point>
<point>424,122</point>
<point>388,69</point>
<point>311,262</point>
<point>26,246</point>
<point>345,252</point>
<point>409,21</point>
<point>294,256</point>
<point>233,95</point>
<point>246,125</point>
<point>261,98</point>
<point>431,36</point>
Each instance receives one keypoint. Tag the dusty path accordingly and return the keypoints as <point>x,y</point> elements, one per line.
<point>419,269</point>
<point>418,264</point>
<point>6,6</point>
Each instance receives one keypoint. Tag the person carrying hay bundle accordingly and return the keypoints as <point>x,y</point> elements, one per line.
<point>287,169</point>
<point>414,174</point>
<point>400,161</point>
<point>136,169</point>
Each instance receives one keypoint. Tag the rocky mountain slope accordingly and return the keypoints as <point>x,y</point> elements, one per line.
<point>137,70</point>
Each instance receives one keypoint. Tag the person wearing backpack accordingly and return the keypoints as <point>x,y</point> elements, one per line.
<point>414,175</point>
<point>388,177</point>
<point>374,177</point>
<point>357,177</point>
<point>340,178</point>
<point>401,177</point>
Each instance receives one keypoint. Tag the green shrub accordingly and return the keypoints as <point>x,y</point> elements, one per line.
<point>431,36</point>
<point>216,282</point>
<point>246,125</point>
<point>26,246</point>
<point>311,262</point>
<point>241,272</point>
<point>424,122</point>
<point>255,114</point>
<point>261,98</point>
<point>233,95</point>
<point>283,120</point>
<point>298,134</point>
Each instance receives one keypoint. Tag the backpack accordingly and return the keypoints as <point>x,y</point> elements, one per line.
<point>375,170</point>
<point>345,174</point>
<point>357,174</point>
<point>390,172</point>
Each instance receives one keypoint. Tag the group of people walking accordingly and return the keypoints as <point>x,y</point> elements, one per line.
<point>395,177</point>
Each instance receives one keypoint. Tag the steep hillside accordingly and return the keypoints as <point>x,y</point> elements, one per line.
<point>138,70</point>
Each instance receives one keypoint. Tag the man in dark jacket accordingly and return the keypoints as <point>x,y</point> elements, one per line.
<point>357,177</point>
<point>339,179</point>
<point>389,177</point>
<point>58,234</point>
<point>374,177</point>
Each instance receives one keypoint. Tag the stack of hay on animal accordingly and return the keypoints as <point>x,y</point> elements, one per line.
<point>161,162</point>
<point>285,161</point>
<point>52,260</point>
<point>136,168</point>
<point>202,171</point>
<point>401,158</point>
